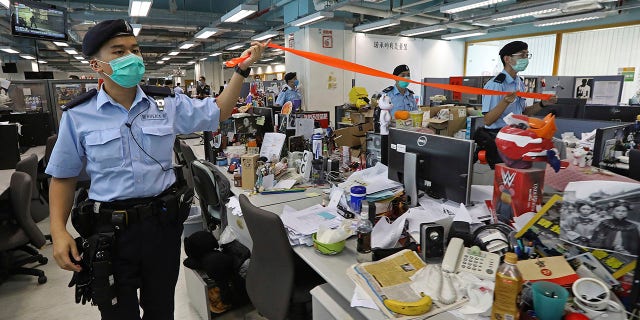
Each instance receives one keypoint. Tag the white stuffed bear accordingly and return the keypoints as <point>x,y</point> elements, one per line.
<point>385,116</point>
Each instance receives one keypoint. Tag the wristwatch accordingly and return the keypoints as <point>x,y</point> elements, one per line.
<point>243,73</point>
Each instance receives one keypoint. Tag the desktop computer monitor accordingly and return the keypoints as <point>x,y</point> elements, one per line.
<point>438,165</point>
<point>267,113</point>
<point>564,108</point>
<point>605,141</point>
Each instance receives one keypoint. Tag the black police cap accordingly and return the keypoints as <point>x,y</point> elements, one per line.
<point>400,69</point>
<point>512,48</point>
<point>103,32</point>
<point>289,76</point>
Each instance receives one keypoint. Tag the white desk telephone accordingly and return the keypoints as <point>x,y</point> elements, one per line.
<point>479,263</point>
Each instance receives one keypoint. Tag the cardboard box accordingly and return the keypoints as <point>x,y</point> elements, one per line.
<point>516,192</point>
<point>249,164</point>
<point>457,119</point>
<point>352,136</point>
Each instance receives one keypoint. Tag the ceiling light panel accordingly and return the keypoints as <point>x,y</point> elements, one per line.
<point>419,31</point>
<point>215,54</point>
<point>468,5</point>
<point>165,58</point>
<point>71,51</point>
<point>385,23</point>
<point>312,18</point>
<point>206,33</point>
<point>139,8</point>
<point>238,13</point>
<point>136,28</point>
<point>60,44</point>
<point>460,35</point>
<point>534,11</point>
<point>27,56</point>
<point>570,19</point>
<point>173,53</point>
<point>187,45</point>
<point>9,50</point>
<point>235,47</point>
<point>265,35</point>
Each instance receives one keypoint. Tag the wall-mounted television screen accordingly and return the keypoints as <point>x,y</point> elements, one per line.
<point>38,20</point>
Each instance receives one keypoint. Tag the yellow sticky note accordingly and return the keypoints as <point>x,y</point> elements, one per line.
<point>260,121</point>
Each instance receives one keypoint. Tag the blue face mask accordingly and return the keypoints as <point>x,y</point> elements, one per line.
<point>127,70</point>
<point>521,65</point>
<point>296,82</point>
<point>403,84</point>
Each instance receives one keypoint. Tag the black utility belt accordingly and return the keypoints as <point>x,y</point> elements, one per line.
<point>131,211</point>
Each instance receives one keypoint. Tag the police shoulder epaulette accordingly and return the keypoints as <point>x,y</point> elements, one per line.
<point>500,78</point>
<point>410,91</point>
<point>79,100</point>
<point>387,89</point>
<point>285,89</point>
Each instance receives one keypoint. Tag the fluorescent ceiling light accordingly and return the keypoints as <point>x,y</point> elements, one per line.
<point>60,44</point>
<point>570,19</point>
<point>206,33</point>
<point>238,13</point>
<point>191,62</point>
<point>534,11</point>
<point>314,17</point>
<point>235,47</point>
<point>268,59</point>
<point>84,61</point>
<point>27,56</point>
<point>203,59</point>
<point>173,53</point>
<point>166,58</point>
<point>215,54</point>
<point>376,25</point>
<point>468,5</point>
<point>187,45</point>
<point>160,62</point>
<point>139,8</point>
<point>430,29</point>
<point>71,51</point>
<point>5,3</point>
<point>42,61</point>
<point>79,57</point>
<point>9,50</point>
<point>467,34</point>
<point>265,35</point>
<point>136,28</point>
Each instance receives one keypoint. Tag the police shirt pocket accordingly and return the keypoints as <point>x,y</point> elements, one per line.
<point>158,143</point>
<point>104,147</point>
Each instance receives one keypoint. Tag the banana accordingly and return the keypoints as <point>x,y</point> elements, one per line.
<point>412,308</point>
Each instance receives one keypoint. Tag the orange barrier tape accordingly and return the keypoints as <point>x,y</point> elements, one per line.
<point>350,66</point>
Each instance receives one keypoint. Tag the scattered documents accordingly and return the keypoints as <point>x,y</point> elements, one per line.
<point>302,224</point>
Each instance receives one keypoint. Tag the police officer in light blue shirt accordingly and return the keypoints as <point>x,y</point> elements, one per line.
<point>401,97</point>
<point>289,91</point>
<point>515,58</point>
<point>123,139</point>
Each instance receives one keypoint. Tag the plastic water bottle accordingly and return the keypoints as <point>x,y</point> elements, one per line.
<point>363,232</point>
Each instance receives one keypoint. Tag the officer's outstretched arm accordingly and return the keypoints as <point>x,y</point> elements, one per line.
<point>228,98</point>
<point>61,194</point>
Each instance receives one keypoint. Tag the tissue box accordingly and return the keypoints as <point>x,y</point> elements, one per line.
<point>516,191</point>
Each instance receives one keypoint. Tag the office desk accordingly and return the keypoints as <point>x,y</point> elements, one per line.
<point>572,173</point>
<point>5,175</point>
<point>333,297</point>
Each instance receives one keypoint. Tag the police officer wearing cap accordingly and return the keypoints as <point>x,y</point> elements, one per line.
<point>515,58</point>
<point>123,139</point>
<point>401,97</point>
<point>289,91</point>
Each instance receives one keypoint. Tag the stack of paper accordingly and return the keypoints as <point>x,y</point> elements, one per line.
<point>302,224</point>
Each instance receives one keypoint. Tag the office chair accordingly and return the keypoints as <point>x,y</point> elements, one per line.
<point>39,207</point>
<point>634,164</point>
<point>43,178</point>
<point>189,157</point>
<point>20,231</point>
<point>213,190</point>
<point>278,282</point>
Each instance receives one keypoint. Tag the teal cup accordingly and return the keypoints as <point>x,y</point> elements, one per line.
<point>549,300</point>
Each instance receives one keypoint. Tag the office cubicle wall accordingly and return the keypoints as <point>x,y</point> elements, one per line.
<point>63,91</point>
<point>428,92</point>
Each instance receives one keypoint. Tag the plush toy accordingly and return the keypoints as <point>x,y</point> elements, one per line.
<point>579,157</point>
<point>384,103</point>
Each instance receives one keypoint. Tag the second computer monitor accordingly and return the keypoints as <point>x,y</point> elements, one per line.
<point>443,165</point>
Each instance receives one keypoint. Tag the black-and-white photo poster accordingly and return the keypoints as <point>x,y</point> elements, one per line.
<point>602,215</point>
<point>584,88</point>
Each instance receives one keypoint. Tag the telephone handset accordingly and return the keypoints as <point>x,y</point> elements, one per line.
<point>473,260</point>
